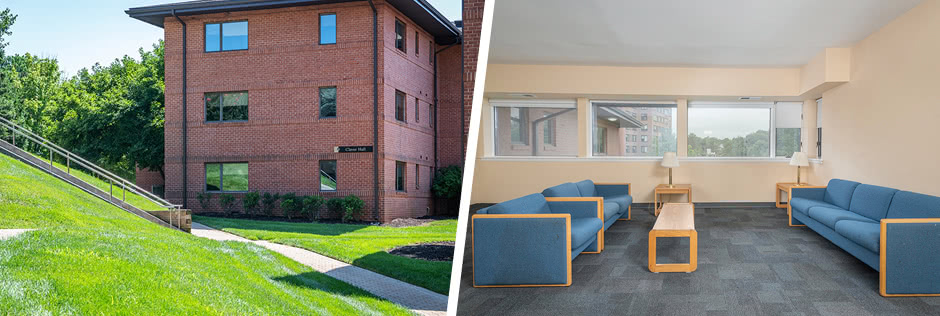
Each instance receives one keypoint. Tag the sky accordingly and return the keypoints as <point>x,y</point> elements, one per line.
<point>82,33</point>
<point>727,123</point>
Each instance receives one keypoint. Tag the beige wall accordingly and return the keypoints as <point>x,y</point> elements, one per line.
<point>882,127</point>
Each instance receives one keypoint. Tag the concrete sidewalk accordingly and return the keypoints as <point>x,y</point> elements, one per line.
<point>418,299</point>
<point>10,233</point>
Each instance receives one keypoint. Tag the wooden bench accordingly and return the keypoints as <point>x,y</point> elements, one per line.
<point>675,220</point>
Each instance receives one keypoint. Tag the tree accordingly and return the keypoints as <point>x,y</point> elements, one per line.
<point>6,21</point>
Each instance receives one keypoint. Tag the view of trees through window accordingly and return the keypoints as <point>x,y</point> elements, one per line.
<point>729,132</point>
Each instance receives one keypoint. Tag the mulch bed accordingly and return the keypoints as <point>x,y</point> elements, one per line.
<point>435,251</point>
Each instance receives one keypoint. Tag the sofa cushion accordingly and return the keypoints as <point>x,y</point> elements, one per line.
<point>839,192</point>
<point>529,204</point>
<point>584,230</point>
<point>865,234</point>
<point>586,188</point>
<point>829,216</point>
<point>802,205</point>
<point>624,201</point>
<point>567,189</point>
<point>914,205</point>
<point>611,209</point>
<point>872,201</point>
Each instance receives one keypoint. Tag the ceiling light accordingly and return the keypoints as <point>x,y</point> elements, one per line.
<point>612,119</point>
<point>749,98</point>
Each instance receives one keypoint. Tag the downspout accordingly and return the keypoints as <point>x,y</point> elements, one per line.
<point>375,110</point>
<point>185,167</point>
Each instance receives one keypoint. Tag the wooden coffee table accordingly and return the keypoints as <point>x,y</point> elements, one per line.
<point>675,220</point>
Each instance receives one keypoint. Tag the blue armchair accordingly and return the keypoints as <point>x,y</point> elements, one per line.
<point>895,232</point>
<point>531,241</point>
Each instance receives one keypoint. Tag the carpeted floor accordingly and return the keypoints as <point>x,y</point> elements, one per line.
<point>750,262</point>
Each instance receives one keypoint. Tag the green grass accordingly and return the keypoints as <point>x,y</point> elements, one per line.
<point>361,245</point>
<point>89,257</point>
<point>131,197</point>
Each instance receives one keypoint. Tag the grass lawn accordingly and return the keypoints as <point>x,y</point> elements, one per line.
<point>89,257</point>
<point>361,245</point>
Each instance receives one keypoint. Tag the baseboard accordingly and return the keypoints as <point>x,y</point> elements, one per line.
<point>649,206</point>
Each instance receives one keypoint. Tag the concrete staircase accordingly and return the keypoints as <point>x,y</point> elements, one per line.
<point>171,217</point>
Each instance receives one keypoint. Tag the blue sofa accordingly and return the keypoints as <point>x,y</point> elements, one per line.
<point>530,241</point>
<point>614,200</point>
<point>895,232</point>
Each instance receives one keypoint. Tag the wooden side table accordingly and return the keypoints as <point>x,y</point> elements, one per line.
<point>666,189</point>
<point>785,187</point>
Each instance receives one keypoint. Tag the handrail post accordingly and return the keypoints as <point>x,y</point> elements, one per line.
<point>110,189</point>
<point>123,191</point>
<point>51,167</point>
<point>68,163</point>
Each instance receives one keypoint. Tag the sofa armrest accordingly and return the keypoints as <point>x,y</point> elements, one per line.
<point>581,207</point>
<point>910,257</point>
<point>514,250</point>
<point>808,192</point>
<point>610,190</point>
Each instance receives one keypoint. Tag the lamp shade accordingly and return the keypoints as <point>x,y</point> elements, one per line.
<point>670,160</point>
<point>799,159</point>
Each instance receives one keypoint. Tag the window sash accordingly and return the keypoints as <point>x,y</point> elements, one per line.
<point>400,39</point>
<point>220,45</point>
<point>327,102</point>
<point>635,135</point>
<point>400,106</point>
<point>328,28</point>
<point>327,179</point>
<point>236,102</point>
<point>399,176</point>
<point>219,170</point>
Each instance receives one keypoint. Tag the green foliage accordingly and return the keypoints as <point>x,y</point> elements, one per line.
<point>755,144</point>
<point>204,199</point>
<point>352,207</point>
<point>336,205</point>
<point>311,206</point>
<point>227,201</point>
<point>268,202</point>
<point>447,182</point>
<point>251,202</point>
<point>291,205</point>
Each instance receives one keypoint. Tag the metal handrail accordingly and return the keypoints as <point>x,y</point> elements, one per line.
<point>97,170</point>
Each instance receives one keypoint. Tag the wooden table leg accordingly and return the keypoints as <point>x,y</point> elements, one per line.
<point>674,267</point>
<point>655,203</point>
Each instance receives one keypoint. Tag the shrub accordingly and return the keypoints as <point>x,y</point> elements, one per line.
<point>250,202</point>
<point>335,205</point>
<point>204,200</point>
<point>311,206</point>
<point>227,201</point>
<point>268,202</point>
<point>447,182</point>
<point>352,207</point>
<point>290,204</point>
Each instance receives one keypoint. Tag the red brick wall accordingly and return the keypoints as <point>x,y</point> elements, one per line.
<point>450,109</point>
<point>472,24</point>
<point>147,179</point>
<point>284,138</point>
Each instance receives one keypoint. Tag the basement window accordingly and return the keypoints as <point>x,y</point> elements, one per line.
<point>227,177</point>
<point>226,106</point>
<point>226,36</point>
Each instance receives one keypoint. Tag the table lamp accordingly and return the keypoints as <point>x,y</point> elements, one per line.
<point>670,161</point>
<point>799,160</point>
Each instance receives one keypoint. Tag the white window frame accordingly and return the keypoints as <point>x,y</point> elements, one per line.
<point>495,104</point>
<point>592,123</point>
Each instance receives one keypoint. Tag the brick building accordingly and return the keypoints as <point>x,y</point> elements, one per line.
<point>279,96</point>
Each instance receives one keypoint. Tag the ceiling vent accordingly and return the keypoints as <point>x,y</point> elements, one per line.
<point>748,98</point>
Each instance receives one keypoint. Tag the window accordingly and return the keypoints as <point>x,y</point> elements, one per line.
<point>400,105</point>
<point>417,176</point>
<point>645,149</point>
<point>226,36</point>
<point>634,149</point>
<point>226,106</point>
<point>600,141</point>
<point>328,28</point>
<point>399,35</point>
<point>519,131</point>
<point>417,48</point>
<point>788,119</point>
<point>619,120</point>
<point>549,132</point>
<point>227,177</point>
<point>430,53</point>
<point>328,102</point>
<point>327,175</point>
<point>417,110</point>
<point>399,176</point>
<point>819,128</point>
<point>729,129</point>
<point>535,127</point>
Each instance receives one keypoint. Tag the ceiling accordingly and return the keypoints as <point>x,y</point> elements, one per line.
<point>695,33</point>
